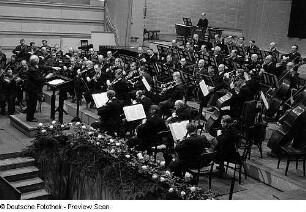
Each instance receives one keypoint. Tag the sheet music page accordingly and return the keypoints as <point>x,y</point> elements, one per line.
<point>204,88</point>
<point>178,130</point>
<point>264,100</point>
<point>246,76</point>
<point>100,99</point>
<point>146,84</point>
<point>134,112</point>
<point>56,82</point>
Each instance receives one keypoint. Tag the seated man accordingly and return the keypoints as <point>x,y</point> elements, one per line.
<point>189,151</point>
<point>148,130</point>
<point>182,112</point>
<point>144,100</point>
<point>110,115</point>
<point>226,142</point>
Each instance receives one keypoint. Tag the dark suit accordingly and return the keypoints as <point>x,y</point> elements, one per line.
<point>189,153</point>
<point>225,148</point>
<point>294,57</point>
<point>33,87</point>
<point>237,101</point>
<point>121,89</point>
<point>2,60</point>
<point>146,103</point>
<point>110,119</point>
<point>197,45</point>
<point>147,132</point>
<point>271,68</point>
<point>203,23</point>
<point>22,51</point>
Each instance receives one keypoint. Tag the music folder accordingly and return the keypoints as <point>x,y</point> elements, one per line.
<point>146,84</point>
<point>100,99</point>
<point>264,100</point>
<point>56,82</point>
<point>204,88</point>
<point>134,112</point>
<point>178,130</point>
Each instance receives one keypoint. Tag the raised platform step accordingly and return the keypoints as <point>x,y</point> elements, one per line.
<point>28,128</point>
<point>28,185</point>
<point>19,173</point>
<point>13,163</point>
<point>41,194</point>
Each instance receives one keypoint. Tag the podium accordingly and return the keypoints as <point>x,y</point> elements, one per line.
<point>183,31</point>
<point>58,83</point>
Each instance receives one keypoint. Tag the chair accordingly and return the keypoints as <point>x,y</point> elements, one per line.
<point>292,154</point>
<point>162,144</point>
<point>239,162</point>
<point>206,161</point>
<point>257,134</point>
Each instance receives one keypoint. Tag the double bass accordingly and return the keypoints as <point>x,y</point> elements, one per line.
<point>283,135</point>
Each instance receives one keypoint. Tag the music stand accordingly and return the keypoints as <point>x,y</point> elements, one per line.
<point>187,21</point>
<point>240,50</point>
<point>208,80</point>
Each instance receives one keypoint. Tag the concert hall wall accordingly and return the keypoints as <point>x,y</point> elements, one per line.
<point>267,21</point>
<point>163,14</point>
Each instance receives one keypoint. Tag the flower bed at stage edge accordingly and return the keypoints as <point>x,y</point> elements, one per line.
<point>78,162</point>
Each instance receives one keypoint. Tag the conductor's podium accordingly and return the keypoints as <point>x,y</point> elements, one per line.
<point>58,83</point>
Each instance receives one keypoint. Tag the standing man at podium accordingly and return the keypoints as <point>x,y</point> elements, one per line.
<point>34,86</point>
<point>203,23</point>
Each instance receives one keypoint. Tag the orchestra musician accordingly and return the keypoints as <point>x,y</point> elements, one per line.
<point>251,46</point>
<point>20,50</point>
<point>189,151</point>
<point>147,131</point>
<point>141,55</point>
<point>120,86</point>
<point>110,115</point>
<point>253,63</point>
<point>218,55</point>
<point>272,48</point>
<point>58,51</point>
<point>110,59</point>
<point>227,140</point>
<point>173,91</point>
<point>269,66</point>
<point>151,57</point>
<point>196,43</point>
<point>2,59</point>
<point>32,49</point>
<point>200,69</point>
<point>144,100</point>
<point>181,112</point>
<point>294,56</point>
<point>8,91</point>
<point>22,74</point>
<point>182,66</point>
<point>34,85</point>
<point>45,44</point>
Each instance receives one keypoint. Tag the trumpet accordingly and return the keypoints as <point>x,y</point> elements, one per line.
<point>166,87</point>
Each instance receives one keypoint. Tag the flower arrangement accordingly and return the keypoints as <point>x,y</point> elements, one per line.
<point>90,153</point>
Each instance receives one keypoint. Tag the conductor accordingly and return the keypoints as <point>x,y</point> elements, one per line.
<point>34,85</point>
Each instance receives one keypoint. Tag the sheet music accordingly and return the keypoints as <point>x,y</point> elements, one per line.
<point>146,84</point>
<point>100,99</point>
<point>264,100</point>
<point>204,88</point>
<point>56,82</point>
<point>246,76</point>
<point>178,130</point>
<point>134,112</point>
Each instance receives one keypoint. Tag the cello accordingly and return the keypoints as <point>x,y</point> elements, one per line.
<point>276,101</point>
<point>283,135</point>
